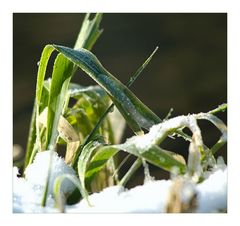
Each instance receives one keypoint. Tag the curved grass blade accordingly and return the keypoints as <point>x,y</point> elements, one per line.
<point>219,124</point>
<point>34,131</point>
<point>84,159</point>
<point>57,189</point>
<point>134,111</point>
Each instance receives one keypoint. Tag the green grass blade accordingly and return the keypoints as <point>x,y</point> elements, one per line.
<point>143,66</point>
<point>98,161</point>
<point>89,32</point>
<point>47,51</point>
<point>62,72</point>
<point>154,155</point>
<point>134,111</point>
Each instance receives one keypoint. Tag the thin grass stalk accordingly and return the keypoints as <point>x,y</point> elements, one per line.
<point>131,171</point>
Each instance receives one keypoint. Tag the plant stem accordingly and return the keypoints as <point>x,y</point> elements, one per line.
<point>131,171</point>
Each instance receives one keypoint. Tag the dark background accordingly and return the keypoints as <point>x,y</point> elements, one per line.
<point>188,73</point>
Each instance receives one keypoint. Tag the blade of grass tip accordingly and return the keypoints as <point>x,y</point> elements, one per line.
<point>89,32</point>
<point>168,114</point>
<point>220,108</point>
<point>140,69</point>
<point>110,108</point>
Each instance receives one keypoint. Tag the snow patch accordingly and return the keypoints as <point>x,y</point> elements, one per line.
<point>212,193</point>
<point>152,197</point>
<point>28,191</point>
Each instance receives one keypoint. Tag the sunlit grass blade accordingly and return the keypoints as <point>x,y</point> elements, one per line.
<point>34,131</point>
<point>62,72</point>
<point>134,111</point>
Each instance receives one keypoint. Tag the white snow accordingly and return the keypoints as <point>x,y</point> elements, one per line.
<point>152,197</point>
<point>212,193</point>
<point>156,132</point>
<point>28,191</point>
<point>37,172</point>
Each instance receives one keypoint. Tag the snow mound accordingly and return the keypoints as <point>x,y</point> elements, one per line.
<point>150,197</point>
<point>28,191</point>
<point>37,172</point>
<point>212,193</point>
<point>154,196</point>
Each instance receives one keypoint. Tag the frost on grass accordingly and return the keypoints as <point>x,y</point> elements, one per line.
<point>28,191</point>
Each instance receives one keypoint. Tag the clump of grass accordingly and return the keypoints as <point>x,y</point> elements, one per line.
<point>89,133</point>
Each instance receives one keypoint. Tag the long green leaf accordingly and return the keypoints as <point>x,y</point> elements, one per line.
<point>34,131</point>
<point>134,111</point>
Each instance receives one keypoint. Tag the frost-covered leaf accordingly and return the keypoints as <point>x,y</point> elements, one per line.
<point>137,115</point>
